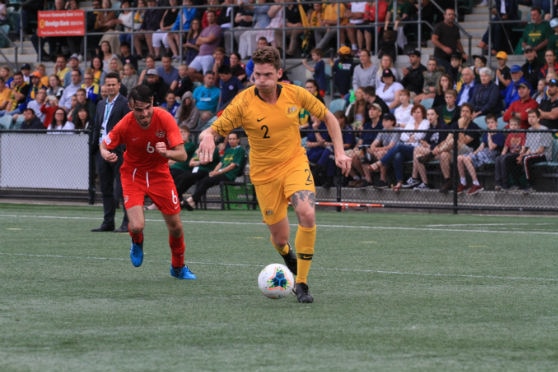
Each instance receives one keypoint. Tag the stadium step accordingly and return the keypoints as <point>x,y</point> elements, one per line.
<point>20,52</point>
<point>474,23</point>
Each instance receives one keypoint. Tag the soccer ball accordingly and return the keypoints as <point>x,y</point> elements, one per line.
<point>275,281</point>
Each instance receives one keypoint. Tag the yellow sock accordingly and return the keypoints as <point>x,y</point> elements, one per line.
<point>304,242</point>
<point>282,249</point>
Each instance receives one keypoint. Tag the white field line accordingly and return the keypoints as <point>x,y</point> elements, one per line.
<point>366,271</point>
<point>381,272</point>
<point>512,227</point>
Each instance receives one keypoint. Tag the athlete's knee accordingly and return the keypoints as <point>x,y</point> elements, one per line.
<point>279,238</point>
<point>306,215</point>
<point>135,227</point>
<point>307,219</point>
<point>304,206</point>
<point>280,232</point>
<point>175,229</point>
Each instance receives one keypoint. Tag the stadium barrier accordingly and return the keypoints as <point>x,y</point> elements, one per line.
<point>37,165</point>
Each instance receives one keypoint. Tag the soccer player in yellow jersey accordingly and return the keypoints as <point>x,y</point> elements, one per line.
<point>279,169</point>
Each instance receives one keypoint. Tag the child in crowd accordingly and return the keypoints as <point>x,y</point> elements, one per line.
<point>220,58</point>
<point>431,80</point>
<point>183,83</point>
<point>342,72</point>
<point>170,103</point>
<point>490,146</point>
<point>129,76</point>
<point>540,93</point>
<point>318,69</point>
<point>229,85</point>
<point>514,142</point>
<point>385,140</point>
<point>537,148</point>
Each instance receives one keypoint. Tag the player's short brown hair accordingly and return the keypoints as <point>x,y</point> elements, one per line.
<point>267,55</point>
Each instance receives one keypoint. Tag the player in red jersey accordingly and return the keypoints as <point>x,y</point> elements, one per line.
<point>151,137</point>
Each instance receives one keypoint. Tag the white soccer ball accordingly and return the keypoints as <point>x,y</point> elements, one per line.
<point>276,281</point>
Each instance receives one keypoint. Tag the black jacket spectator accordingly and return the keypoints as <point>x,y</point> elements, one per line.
<point>342,71</point>
<point>531,68</point>
<point>414,80</point>
<point>158,87</point>
<point>31,122</point>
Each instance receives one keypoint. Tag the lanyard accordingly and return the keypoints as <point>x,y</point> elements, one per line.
<point>108,109</point>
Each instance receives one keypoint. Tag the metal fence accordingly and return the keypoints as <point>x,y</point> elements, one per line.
<point>56,166</point>
<point>92,37</point>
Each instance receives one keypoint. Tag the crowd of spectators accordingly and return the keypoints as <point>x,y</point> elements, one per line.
<point>481,101</point>
<point>151,26</point>
<point>195,81</point>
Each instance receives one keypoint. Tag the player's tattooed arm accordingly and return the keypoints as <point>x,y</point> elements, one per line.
<point>303,196</point>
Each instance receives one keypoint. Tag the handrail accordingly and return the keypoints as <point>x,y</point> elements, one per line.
<point>11,44</point>
<point>232,30</point>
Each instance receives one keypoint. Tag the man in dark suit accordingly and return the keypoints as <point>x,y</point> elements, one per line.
<point>109,112</point>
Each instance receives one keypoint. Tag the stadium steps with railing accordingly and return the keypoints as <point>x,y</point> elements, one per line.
<point>25,54</point>
<point>476,24</point>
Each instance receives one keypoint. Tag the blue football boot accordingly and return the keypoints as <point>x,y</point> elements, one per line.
<point>136,254</point>
<point>182,273</point>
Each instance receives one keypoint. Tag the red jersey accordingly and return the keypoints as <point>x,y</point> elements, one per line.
<point>520,108</point>
<point>140,143</point>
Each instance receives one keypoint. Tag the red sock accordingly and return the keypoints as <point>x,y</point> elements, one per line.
<point>137,237</point>
<point>177,247</point>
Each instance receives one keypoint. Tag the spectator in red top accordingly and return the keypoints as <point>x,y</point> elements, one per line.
<point>212,6</point>
<point>520,107</point>
<point>370,15</point>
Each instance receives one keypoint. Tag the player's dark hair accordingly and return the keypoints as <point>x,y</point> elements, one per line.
<point>140,93</point>
<point>113,75</point>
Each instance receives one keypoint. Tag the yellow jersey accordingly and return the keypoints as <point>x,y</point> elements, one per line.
<point>272,129</point>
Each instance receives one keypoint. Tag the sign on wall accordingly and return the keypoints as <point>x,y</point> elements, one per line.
<point>60,23</point>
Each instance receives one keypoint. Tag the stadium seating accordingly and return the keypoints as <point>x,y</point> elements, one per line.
<point>232,191</point>
<point>480,121</point>
<point>427,103</point>
<point>337,104</point>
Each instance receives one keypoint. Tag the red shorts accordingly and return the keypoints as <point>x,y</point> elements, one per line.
<point>159,186</point>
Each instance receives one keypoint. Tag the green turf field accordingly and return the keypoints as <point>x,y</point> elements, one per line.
<point>393,292</point>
